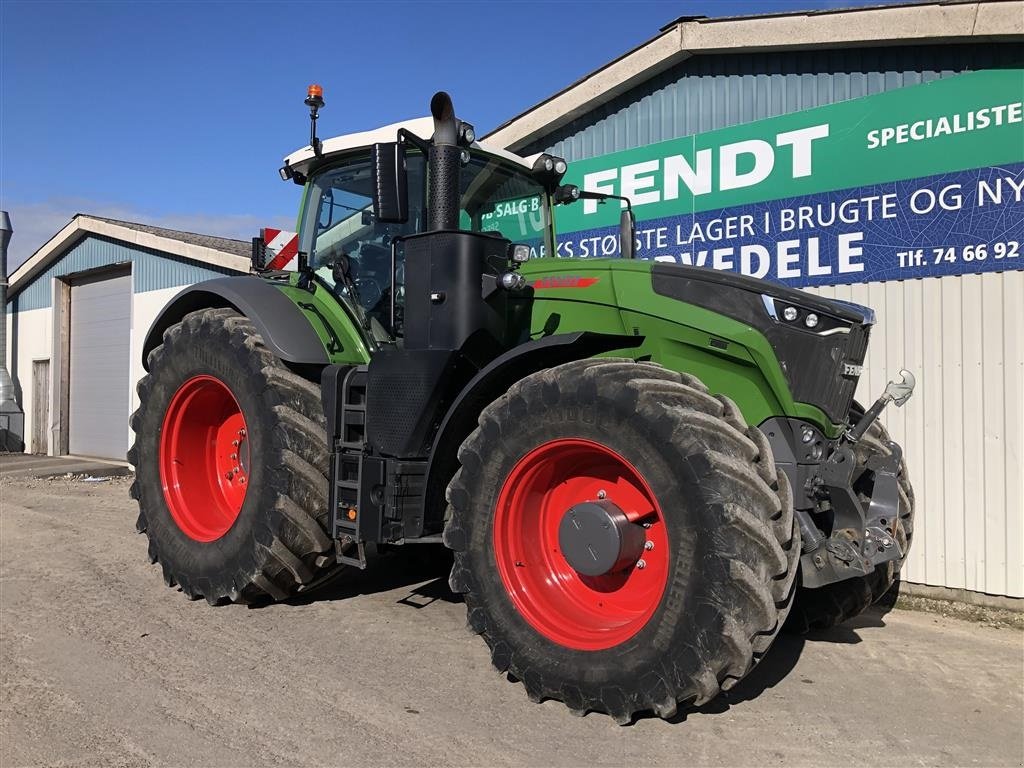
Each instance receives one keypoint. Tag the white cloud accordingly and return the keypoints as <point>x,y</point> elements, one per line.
<point>35,223</point>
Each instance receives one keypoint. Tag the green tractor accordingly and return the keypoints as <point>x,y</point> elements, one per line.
<point>643,470</point>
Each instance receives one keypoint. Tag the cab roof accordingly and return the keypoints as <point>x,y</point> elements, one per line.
<point>301,159</point>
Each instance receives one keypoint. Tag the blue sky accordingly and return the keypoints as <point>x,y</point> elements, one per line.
<point>178,113</point>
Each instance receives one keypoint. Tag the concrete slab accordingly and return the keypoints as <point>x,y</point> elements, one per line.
<point>24,465</point>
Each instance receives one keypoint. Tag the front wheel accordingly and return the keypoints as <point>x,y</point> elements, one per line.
<point>230,459</point>
<point>623,540</point>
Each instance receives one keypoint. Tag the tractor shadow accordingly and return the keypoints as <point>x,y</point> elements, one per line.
<point>782,658</point>
<point>423,567</point>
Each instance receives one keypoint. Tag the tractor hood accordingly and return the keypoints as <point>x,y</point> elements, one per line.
<point>820,344</point>
<point>730,282</point>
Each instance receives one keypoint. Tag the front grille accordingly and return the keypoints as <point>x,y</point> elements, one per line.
<point>814,364</point>
<point>836,394</point>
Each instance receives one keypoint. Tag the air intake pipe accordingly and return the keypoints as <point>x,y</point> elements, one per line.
<point>444,164</point>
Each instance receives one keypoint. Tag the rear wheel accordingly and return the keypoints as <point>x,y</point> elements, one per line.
<point>831,605</point>
<point>622,538</point>
<point>230,458</point>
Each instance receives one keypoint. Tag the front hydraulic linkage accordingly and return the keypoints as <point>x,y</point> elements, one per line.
<point>862,535</point>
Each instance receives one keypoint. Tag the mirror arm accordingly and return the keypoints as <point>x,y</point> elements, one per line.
<point>570,193</point>
<point>408,136</point>
<point>602,196</point>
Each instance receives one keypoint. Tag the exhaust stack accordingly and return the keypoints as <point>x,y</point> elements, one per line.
<point>444,164</point>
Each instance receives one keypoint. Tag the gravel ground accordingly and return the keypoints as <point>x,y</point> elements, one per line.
<point>100,664</point>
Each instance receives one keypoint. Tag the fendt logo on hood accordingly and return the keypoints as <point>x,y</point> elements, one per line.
<point>567,281</point>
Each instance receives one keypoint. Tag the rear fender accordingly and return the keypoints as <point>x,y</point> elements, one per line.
<point>287,329</point>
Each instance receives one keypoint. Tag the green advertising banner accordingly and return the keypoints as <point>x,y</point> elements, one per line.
<point>920,181</point>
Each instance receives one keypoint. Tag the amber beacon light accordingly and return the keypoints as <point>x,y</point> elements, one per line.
<point>314,100</point>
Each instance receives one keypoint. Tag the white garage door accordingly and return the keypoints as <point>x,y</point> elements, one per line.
<point>99,367</point>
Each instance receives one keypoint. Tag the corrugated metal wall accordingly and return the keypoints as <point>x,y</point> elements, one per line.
<point>963,430</point>
<point>710,92</point>
<point>152,270</point>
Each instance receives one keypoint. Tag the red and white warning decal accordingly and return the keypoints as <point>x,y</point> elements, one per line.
<point>282,248</point>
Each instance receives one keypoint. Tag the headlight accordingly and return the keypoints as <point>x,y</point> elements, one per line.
<point>549,169</point>
<point>802,318</point>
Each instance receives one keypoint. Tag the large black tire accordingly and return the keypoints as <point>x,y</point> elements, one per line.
<point>278,544</point>
<point>734,545</point>
<point>831,605</point>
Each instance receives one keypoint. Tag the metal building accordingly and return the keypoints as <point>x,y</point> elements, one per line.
<point>741,85</point>
<point>78,311</point>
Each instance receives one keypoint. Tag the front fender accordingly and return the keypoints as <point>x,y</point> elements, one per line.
<point>285,329</point>
<point>494,380</point>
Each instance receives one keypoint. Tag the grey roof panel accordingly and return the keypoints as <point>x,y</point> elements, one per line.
<point>237,247</point>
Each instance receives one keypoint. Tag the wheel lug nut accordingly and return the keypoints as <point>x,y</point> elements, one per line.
<point>236,470</point>
<point>229,475</point>
<point>234,443</point>
<point>648,545</point>
<point>234,456</point>
<point>641,564</point>
<point>241,480</point>
<point>601,494</point>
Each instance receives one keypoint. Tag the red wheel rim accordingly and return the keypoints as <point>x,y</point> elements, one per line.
<point>580,612</point>
<point>204,458</point>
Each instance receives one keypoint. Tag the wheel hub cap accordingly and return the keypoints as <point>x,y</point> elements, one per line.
<point>204,458</point>
<point>597,538</point>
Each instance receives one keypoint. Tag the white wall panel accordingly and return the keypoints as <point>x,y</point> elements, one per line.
<point>963,337</point>
<point>33,341</point>
<point>145,309</point>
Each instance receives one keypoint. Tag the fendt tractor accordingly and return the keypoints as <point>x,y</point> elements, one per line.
<point>643,470</point>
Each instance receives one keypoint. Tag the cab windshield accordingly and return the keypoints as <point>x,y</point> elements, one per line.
<point>339,228</point>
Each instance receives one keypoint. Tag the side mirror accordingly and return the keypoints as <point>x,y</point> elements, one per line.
<point>390,183</point>
<point>627,235</point>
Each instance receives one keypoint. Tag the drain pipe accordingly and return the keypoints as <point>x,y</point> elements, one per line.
<point>12,420</point>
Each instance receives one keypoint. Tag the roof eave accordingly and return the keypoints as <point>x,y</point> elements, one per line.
<point>82,225</point>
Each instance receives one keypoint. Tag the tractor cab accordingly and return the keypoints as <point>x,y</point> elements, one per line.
<point>362,255</point>
<point>355,242</point>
